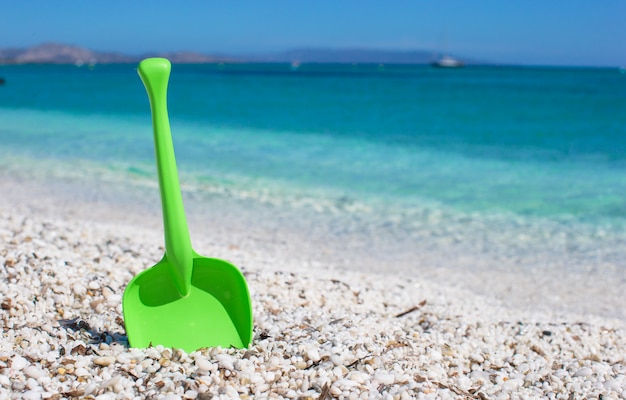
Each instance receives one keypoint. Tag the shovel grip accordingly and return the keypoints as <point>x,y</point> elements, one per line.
<point>154,73</point>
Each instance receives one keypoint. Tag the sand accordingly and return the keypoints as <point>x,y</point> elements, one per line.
<point>321,329</point>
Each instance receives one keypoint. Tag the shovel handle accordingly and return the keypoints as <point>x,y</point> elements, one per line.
<point>154,73</point>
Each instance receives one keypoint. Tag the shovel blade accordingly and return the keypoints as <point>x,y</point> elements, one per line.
<point>216,312</point>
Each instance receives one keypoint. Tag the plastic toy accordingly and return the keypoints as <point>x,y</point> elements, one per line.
<point>184,301</point>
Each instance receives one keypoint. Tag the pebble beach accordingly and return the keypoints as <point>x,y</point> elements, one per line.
<point>321,331</point>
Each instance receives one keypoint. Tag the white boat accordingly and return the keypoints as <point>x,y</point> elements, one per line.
<point>447,62</point>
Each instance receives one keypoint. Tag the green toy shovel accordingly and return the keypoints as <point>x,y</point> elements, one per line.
<point>185,301</point>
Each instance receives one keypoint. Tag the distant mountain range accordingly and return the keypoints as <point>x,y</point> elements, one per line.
<point>349,55</point>
<point>56,53</point>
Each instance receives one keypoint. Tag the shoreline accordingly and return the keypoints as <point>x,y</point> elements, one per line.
<point>524,264</point>
<point>321,329</point>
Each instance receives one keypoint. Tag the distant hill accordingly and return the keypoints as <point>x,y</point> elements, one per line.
<point>351,55</point>
<point>57,53</point>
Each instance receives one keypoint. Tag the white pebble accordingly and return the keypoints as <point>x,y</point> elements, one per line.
<point>106,396</point>
<point>114,299</point>
<point>512,385</point>
<point>107,379</point>
<point>345,383</point>
<point>81,372</point>
<point>435,355</point>
<point>93,285</point>
<point>18,362</point>
<point>225,361</point>
<point>384,379</point>
<point>104,361</point>
<point>613,384</point>
<point>335,391</point>
<point>118,388</point>
<point>584,371</point>
<point>313,355</point>
<point>190,394</point>
<point>106,292</point>
<point>264,387</point>
<point>256,378</point>
<point>337,359</point>
<point>31,395</point>
<point>90,389</point>
<point>33,372</point>
<point>357,376</point>
<point>153,353</point>
<point>32,384</point>
<point>79,289</point>
<point>203,364</point>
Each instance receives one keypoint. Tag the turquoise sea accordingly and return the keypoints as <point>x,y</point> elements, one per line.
<point>520,164</point>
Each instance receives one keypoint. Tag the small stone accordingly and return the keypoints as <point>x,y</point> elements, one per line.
<point>270,376</point>
<point>164,362</point>
<point>104,361</point>
<point>583,372</point>
<point>31,395</point>
<point>255,378</point>
<point>313,355</point>
<point>171,397</point>
<point>225,361</point>
<point>81,372</point>
<point>93,285</point>
<point>264,387</point>
<point>384,379</point>
<point>512,385</point>
<point>190,394</point>
<point>32,384</point>
<point>337,359</point>
<point>79,289</point>
<point>106,396</point>
<point>335,391</point>
<point>18,362</point>
<point>345,383</point>
<point>33,372</point>
<point>91,388</point>
<point>357,376</point>
<point>203,364</point>
<point>613,384</point>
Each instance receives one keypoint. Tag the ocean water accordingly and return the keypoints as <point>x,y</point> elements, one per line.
<point>522,167</point>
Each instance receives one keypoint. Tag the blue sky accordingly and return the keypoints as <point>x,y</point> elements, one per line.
<point>548,32</point>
